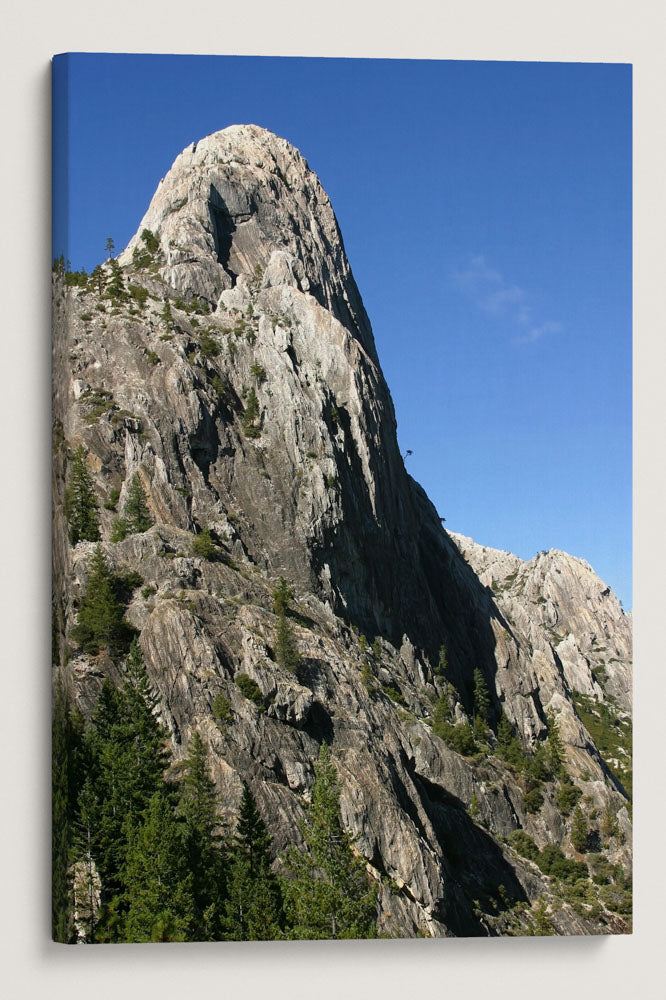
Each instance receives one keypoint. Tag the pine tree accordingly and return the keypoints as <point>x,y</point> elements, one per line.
<point>65,778</point>
<point>100,620</point>
<point>80,504</point>
<point>286,652</point>
<point>481,696</point>
<point>158,886</point>
<point>109,246</point>
<point>443,662</point>
<point>579,830</point>
<point>282,595</point>
<point>328,894</point>
<point>87,885</point>
<point>504,735</point>
<point>116,287</point>
<point>609,824</point>
<point>204,850</point>
<point>136,514</point>
<point>509,747</point>
<point>251,423</point>
<point>554,751</point>
<point>254,904</point>
<point>98,279</point>
<point>126,760</point>
<point>143,734</point>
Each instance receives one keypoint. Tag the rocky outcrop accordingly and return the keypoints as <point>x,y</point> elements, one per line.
<point>241,291</point>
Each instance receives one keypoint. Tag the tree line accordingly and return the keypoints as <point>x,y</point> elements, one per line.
<point>140,855</point>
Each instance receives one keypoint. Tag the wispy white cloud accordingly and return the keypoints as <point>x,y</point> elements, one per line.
<point>501,300</point>
<point>538,331</point>
<point>477,274</point>
<point>495,295</point>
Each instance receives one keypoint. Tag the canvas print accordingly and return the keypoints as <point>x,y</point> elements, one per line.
<point>340,557</point>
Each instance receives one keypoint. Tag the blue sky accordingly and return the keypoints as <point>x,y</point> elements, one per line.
<point>486,212</point>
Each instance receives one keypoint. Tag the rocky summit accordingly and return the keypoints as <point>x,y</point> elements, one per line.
<point>218,388</point>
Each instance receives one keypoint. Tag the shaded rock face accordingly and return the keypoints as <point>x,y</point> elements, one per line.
<point>250,294</point>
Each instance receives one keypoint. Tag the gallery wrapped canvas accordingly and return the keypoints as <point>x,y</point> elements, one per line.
<point>289,700</point>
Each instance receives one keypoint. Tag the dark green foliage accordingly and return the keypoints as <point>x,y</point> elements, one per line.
<point>80,501</point>
<point>480,731</point>
<point>158,885</point>
<point>579,831</point>
<point>286,651</point>
<point>136,513</point>
<point>254,905</point>
<point>543,926</point>
<point>118,531</point>
<point>533,800</point>
<point>76,279</point>
<point>617,898</point>
<point>442,663</point>
<point>221,387</point>
<point>568,794</point>
<point>249,689</point>
<point>203,845</point>
<point>376,649</point>
<point>251,417</point>
<point>481,696</point>
<point>65,779</point>
<point>126,757</point>
<point>602,871</point>
<point>151,241</point>
<point>222,709</point>
<point>394,694</point>
<point>112,502</point>
<point>208,347</point>
<point>204,546</point>
<point>609,824</point>
<point>97,403</point>
<point>115,289</point>
<point>139,294</point>
<point>552,861</point>
<point>524,844</point>
<point>109,246</point>
<point>328,893</point>
<point>154,357</point>
<point>460,736</point>
<point>554,750</point>
<point>258,372</point>
<point>282,595</point>
<point>442,711</point>
<point>537,765</point>
<point>166,314</point>
<point>368,678</point>
<point>86,883</point>
<point>143,256</point>
<point>100,620</point>
<point>98,279</point>
<point>509,747</point>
